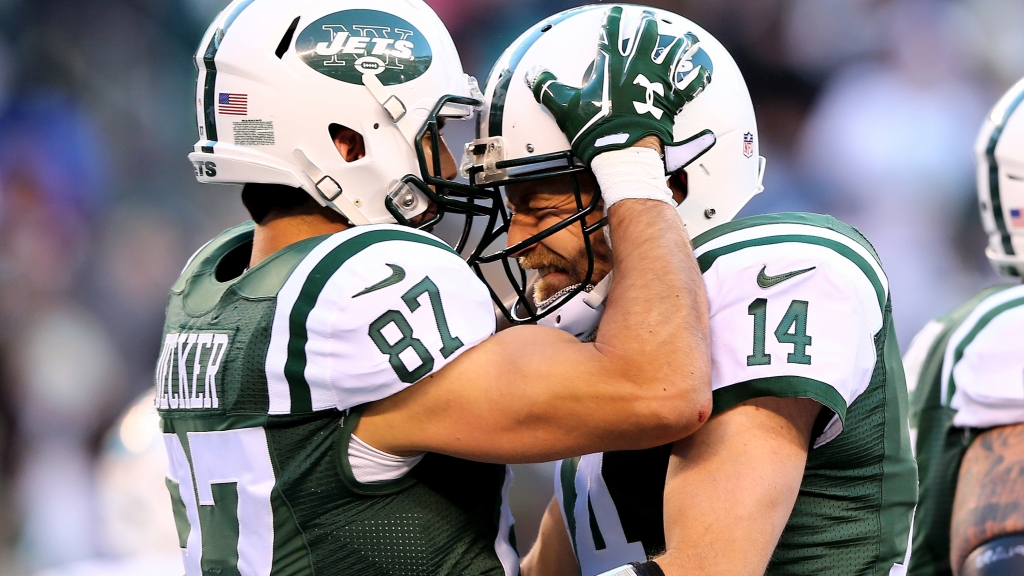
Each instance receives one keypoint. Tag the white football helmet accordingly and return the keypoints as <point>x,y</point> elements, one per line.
<point>999,155</point>
<point>716,146</point>
<point>275,76</point>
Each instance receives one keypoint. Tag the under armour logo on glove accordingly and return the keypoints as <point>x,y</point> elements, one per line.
<point>633,92</point>
<point>652,88</point>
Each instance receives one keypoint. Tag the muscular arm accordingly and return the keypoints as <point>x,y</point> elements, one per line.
<point>989,500</point>
<point>531,394</point>
<point>732,485</point>
<point>552,554</point>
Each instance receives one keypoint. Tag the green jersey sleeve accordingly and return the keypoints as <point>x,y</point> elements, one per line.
<point>369,312</point>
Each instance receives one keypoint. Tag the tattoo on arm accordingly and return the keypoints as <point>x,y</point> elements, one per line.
<point>989,500</point>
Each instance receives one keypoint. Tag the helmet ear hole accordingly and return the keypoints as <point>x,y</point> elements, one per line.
<point>350,144</point>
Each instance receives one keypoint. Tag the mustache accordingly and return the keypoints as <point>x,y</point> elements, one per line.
<point>542,257</point>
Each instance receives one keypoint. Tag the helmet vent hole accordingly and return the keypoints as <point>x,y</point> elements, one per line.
<point>666,20</point>
<point>376,125</point>
<point>350,144</point>
<point>286,40</point>
<point>546,28</point>
<point>558,319</point>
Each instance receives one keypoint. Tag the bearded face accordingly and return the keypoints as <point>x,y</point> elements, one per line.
<point>561,258</point>
<point>557,272</point>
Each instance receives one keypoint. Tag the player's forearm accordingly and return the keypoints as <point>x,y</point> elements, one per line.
<point>989,491</point>
<point>552,553</point>
<point>731,487</point>
<point>655,330</point>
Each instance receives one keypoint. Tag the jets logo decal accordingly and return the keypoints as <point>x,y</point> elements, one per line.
<point>346,45</point>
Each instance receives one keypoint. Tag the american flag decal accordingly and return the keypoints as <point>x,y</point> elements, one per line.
<point>233,104</point>
<point>1016,219</point>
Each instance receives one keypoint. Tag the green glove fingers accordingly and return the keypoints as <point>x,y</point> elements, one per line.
<point>554,95</point>
<point>689,80</point>
<point>645,42</point>
<point>609,39</point>
<point>628,96</point>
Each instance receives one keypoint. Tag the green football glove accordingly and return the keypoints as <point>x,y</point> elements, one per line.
<point>628,96</point>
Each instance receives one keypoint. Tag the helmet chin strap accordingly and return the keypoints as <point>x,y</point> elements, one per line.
<point>597,296</point>
<point>392,105</point>
<point>329,189</point>
<point>581,314</point>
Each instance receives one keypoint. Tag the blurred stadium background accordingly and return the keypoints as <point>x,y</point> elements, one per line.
<point>867,110</point>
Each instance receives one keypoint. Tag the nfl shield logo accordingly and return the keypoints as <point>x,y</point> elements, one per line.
<point>748,144</point>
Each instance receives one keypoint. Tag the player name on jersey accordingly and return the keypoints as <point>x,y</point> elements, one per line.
<point>186,375</point>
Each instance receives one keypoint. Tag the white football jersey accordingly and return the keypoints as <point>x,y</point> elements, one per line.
<point>795,309</point>
<point>261,383</point>
<point>395,288</point>
<point>982,360</point>
<point>799,308</point>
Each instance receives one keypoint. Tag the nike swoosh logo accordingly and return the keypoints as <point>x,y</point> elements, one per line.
<point>397,275</point>
<point>765,281</point>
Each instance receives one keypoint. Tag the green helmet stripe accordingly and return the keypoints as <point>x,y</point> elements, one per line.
<point>210,85</point>
<point>295,365</point>
<point>993,174</point>
<point>501,89</point>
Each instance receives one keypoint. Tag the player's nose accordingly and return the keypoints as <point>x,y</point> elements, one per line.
<point>448,168</point>
<point>517,233</point>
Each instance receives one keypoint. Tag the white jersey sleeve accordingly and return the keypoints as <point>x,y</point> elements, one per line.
<point>795,310</point>
<point>983,366</point>
<point>369,312</point>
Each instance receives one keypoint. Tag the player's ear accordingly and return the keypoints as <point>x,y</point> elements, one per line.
<point>349,143</point>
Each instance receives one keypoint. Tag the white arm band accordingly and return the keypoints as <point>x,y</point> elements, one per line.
<point>636,172</point>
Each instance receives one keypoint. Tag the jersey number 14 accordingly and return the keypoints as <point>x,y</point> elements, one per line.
<point>792,330</point>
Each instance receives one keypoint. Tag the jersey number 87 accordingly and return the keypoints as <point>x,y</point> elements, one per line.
<point>394,350</point>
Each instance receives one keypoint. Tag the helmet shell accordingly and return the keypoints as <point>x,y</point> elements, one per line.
<point>720,182</point>
<point>999,156</point>
<point>273,76</point>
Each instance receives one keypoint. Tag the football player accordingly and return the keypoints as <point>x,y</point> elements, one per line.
<point>805,466</point>
<point>968,370</point>
<point>318,361</point>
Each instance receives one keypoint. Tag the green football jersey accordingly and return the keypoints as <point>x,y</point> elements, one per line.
<point>967,372</point>
<point>263,376</point>
<point>799,308</point>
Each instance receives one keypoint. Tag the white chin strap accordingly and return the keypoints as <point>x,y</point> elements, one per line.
<point>581,314</point>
